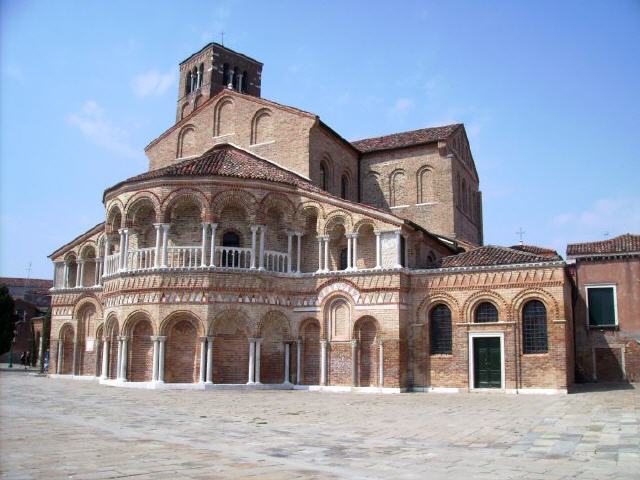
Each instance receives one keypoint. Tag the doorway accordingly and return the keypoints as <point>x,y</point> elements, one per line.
<point>487,362</point>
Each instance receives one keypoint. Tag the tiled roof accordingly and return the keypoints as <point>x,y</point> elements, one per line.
<point>491,255</point>
<point>545,252</point>
<point>227,161</point>
<point>627,243</point>
<point>406,139</point>
<point>30,282</point>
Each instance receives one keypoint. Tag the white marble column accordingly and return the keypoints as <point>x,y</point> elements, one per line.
<point>354,243</point>
<point>121,249</point>
<point>299,361</point>
<point>79,272</point>
<point>74,365</point>
<point>156,259</point>
<point>398,249</point>
<point>406,253</point>
<point>326,253</point>
<point>378,250</point>
<point>125,358</point>
<point>354,363</point>
<point>209,360</point>
<point>263,234</point>
<point>289,251</point>
<point>106,254</point>
<point>381,365</point>
<point>252,355</point>
<point>299,246</point>
<point>349,253</point>
<point>161,359</point>
<point>65,275</point>
<point>254,229</point>
<point>125,249</point>
<point>257,371</point>
<point>203,359</point>
<point>105,359</point>
<point>203,248</point>
<point>323,362</point>
<point>98,266</point>
<point>119,358</point>
<point>154,371</point>
<point>214,227</point>
<point>40,352</point>
<point>165,244</point>
<point>287,361</point>
<point>320,248</point>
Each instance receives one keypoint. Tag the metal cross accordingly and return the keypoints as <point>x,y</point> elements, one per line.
<point>521,233</point>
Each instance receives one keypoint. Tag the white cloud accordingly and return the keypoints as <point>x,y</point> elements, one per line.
<point>401,107</point>
<point>152,83</point>
<point>94,125</point>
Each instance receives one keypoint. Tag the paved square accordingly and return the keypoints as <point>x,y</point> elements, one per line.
<point>73,429</point>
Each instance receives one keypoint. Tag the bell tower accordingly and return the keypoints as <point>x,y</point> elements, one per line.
<point>213,68</point>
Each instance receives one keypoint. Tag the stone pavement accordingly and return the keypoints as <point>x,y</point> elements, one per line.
<point>53,428</point>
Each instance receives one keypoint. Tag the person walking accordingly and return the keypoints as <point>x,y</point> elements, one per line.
<point>22,359</point>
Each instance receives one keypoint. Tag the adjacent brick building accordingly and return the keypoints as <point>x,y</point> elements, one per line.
<point>607,308</point>
<point>263,248</point>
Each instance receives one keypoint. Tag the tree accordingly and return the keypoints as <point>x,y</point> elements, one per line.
<point>7,319</point>
<point>46,334</point>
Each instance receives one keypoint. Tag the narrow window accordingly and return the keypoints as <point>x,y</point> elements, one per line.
<point>534,327</point>
<point>225,74</point>
<point>323,177</point>
<point>187,86</point>
<point>343,259</point>
<point>601,306</point>
<point>245,82</point>
<point>440,329</point>
<point>229,257</point>
<point>486,312</point>
<point>344,186</point>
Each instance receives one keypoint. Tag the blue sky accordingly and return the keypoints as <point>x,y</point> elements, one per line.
<point>548,91</point>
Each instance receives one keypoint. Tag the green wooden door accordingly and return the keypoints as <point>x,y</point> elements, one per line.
<point>487,372</point>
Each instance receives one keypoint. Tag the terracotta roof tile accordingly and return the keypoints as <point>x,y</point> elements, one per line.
<point>406,139</point>
<point>545,252</point>
<point>227,161</point>
<point>492,255</point>
<point>627,243</point>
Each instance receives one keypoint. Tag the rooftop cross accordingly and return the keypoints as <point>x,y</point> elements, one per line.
<point>521,233</point>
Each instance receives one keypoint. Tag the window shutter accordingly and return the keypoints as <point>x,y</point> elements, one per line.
<point>601,307</point>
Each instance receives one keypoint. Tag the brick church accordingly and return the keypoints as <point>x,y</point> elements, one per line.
<point>263,249</point>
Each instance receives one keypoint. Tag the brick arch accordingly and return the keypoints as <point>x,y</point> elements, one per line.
<point>550,303</point>
<point>182,347</point>
<point>338,217</point>
<point>364,222</point>
<point>86,246</point>
<point>366,331</point>
<point>66,335</point>
<point>220,115</point>
<point>304,206</point>
<point>338,285</point>
<point>261,126</point>
<point>84,300</point>
<point>237,198</point>
<point>142,197</point>
<point>431,301</point>
<point>397,184</point>
<point>309,334</point>
<point>337,314</point>
<point>230,330</point>
<point>139,328</point>
<point>115,208</point>
<point>278,201</point>
<point>186,141</point>
<point>472,302</point>
<point>274,330</point>
<point>180,194</point>
<point>424,183</point>
<point>112,326</point>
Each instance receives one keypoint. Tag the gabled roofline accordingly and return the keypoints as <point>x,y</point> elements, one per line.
<point>83,236</point>
<point>381,149</point>
<point>223,47</point>
<point>228,91</point>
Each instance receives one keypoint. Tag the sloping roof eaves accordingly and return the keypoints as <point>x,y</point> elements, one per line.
<point>221,46</point>
<point>492,255</point>
<point>79,238</point>
<point>406,139</point>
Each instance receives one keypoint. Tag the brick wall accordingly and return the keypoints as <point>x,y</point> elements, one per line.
<point>311,354</point>
<point>339,362</point>
<point>182,355</point>
<point>140,353</point>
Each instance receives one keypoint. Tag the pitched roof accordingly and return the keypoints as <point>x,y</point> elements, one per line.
<point>492,255</point>
<point>406,139</point>
<point>226,160</point>
<point>627,243</point>
<point>34,283</point>
<point>545,252</point>
<point>67,246</point>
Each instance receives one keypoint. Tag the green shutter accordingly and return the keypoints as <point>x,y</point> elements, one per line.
<point>601,307</point>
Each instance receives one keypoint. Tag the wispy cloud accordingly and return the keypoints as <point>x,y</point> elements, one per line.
<point>96,127</point>
<point>152,83</point>
<point>401,107</point>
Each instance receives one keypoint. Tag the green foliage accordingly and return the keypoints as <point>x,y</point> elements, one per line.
<point>7,319</point>
<point>46,334</point>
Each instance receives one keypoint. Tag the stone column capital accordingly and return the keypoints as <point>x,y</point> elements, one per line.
<point>254,228</point>
<point>161,338</point>
<point>210,338</point>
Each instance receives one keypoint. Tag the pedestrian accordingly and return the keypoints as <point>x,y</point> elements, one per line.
<point>27,359</point>
<point>22,359</point>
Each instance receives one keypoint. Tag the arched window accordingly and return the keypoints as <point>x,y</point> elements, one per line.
<point>396,189</point>
<point>440,329</point>
<point>323,176</point>
<point>344,186</point>
<point>201,77</point>
<point>245,82</point>
<point>225,74</point>
<point>534,327</point>
<point>230,239</point>
<point>486,312</point>
<point>187,84</point>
